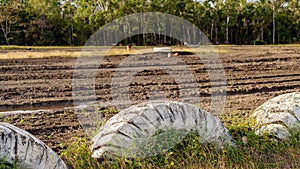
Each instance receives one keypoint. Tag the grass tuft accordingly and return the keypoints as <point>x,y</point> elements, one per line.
<point>257,152</point>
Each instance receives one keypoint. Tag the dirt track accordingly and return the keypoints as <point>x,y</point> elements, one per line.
<point>254,74</point>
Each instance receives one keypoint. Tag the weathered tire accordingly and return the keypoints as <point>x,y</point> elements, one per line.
<point>17,145</point>
<point>132,130</point>
<point>278,116</point>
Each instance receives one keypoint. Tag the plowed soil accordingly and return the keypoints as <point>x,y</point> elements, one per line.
<point>43,86</point>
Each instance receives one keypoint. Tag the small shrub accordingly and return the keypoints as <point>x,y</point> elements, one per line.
<point>258,42</point>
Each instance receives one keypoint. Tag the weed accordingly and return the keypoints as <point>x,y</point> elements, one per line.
<point>257,152</point>
<point>21,121</point>
<point>7,165</point>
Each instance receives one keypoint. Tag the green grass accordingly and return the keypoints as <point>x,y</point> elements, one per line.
<point>6,165</point>
<point>257,152</point>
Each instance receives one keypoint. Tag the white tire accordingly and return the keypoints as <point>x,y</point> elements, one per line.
<point>17,145</point>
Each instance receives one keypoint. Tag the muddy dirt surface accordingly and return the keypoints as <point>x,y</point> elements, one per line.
<point>44,86</point>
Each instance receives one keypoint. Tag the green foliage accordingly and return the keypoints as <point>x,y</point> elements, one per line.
<point>6,165</point>
<point>52,22</point>
<point>259,42</point>
<point>78,155</point>
<point>257,152</point>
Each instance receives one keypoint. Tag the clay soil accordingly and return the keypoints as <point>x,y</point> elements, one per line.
<point>43,86</point>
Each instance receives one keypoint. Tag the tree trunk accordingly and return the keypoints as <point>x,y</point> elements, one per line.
<point>216,41</point>
<point>5,37</point>
<point>212,30</point>
<point>72,37</point>
<point>142,29</point>
<point>5,33</point>
<point>236,35</point>
<point>262,34</point>
<point>227,29</point>
<point>274,24</point>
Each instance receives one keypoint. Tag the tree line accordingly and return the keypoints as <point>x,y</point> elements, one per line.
<point>72,22</point>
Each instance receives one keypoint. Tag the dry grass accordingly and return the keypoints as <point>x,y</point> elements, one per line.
<point>45,52</point>
<point>37,54</point>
